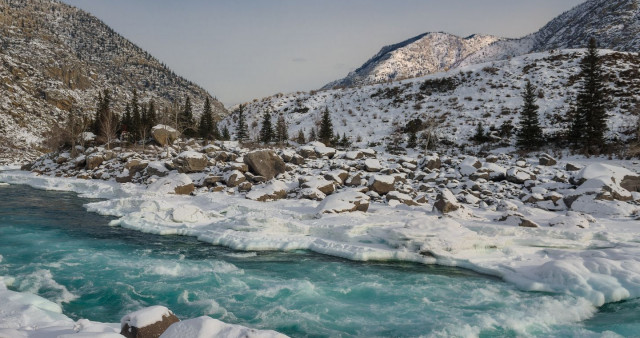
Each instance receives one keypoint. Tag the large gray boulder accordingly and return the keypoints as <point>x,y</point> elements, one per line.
<point>265,163</point>
<point>190,162</point>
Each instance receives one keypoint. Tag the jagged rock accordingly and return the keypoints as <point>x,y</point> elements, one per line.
<point>185,189</point>
<point>269,192</point>
<point>211,180</point>
<point>337,176</point>
<point>245,186</point>
<point>518,219</point>
<point>94,161</point>
<point>322,151</point>
<point>571,167</point>
<point>631,183</point>
<point>164,135</point>
<point>431,162</point>
<point>157,169</point>
<point>446,202</point>
<point>325,186</point>
<point>353,155</point>
<point>519,175</point>
<point>312,194</point>
<point>547,160</point>
<point>402,198</point>
<point>381,184</point>
<point>149,322</point>
<point>190,162</point>
<point>242,167</point>
<point>265,163</point>
<point>307,152</point>
<point>354,181</point>
<point>136,165</point>
<point>346,201</point>
<point>234,178</point>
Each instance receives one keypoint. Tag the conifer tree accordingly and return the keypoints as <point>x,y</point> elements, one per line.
<point>107,121</point>
<point>125,124</point>
<point>589,124</point>
<point>266,131</point>
<point>326,127</point>
<point>529,135</point>
<point>152,118</point>
<point>185,120</point>
<point>479,136</point>
<point>282,133</point>
<point>242,133</point>
<point>412,142</point>
<point>136,117</point>
<point>225,134</point>
<point>206,125</point>
<point>344,141</point>
<point>312,135</point>
<point>300,139</point>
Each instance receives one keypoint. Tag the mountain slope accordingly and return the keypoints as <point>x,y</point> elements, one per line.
<point>421,55</point>
<point>56,58</point>
<point>457,100</point>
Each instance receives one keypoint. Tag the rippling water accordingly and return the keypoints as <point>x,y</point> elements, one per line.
<point>52,247</point>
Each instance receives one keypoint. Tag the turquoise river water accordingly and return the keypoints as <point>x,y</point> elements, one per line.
<point>49,245</point>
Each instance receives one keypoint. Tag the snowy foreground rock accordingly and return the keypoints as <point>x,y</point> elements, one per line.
<point>570,227</point>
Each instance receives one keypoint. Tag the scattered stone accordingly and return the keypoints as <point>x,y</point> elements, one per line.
<point>402,198</point>
<point>571,167</point>
<point>265,163</point>
<point>431,162</point>
<point>547,160</point>
<point>234,178</point>
<point>519,175</point>
<point>269,192</point>
<point>190,162</point>
<point>381,184</point>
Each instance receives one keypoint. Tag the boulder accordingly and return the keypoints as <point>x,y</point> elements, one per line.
<point>346,201</point>
<point>322,151</point>
<point>190,162</point>
<point>307,152</point>
<point>382,184</point>
<point>325,186</point>
<point>547,160</point>
<point>269,192</point>
<point>234,178</point>
<point>446,202</point>
<point>265,163</point>
<point>400,197</point>
<point>164,135</point>
<point>149,322</point>
<point>157,169</point>
<point>353,155</point>
<point>518,219</point>
<point>631,183</point>
<point>430,162</point>
<point>519,176</point>
<point>372,165</point>
<point>571,167</point>
<point>93,161</point>
<point>312,194</point>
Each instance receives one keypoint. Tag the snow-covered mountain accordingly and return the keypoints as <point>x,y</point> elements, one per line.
<point>614,23</point>
<point>421,55</point>
<point>55,58</point>
<point>457,100</point>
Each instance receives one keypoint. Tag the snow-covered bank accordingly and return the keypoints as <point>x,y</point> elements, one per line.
<point>595,257</point>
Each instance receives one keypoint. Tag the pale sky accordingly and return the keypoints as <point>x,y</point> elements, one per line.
<point>244,49</point>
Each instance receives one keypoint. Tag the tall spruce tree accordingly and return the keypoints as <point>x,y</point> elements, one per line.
<point>206,125</point>
<point>185,120</point>
<point>242,132</point>
<point>152,118</point>
<point>125,124</point>
<point>326,128</point>
<point>529,135</point>
<point>136,117</point>
<point>266,131</point>
<point>282,133</point>
<point>589,123</point>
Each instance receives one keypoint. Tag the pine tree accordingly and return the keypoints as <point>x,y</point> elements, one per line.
<point>206,125</point>
<point>282,133</point>
<point>266,131</point>
<point>300,139</point>
<point>225,134</point>
<point>152,118</point>
<point>413,140</point>
<point>106,123</point>
<point>344,141</point>
<point>242,133</point>
<point>136,117</point>
<point>479,136</point>
<point>590,121</point>
<point>125,124</point>
<point>326,128</point>
<point>185,120</point>
<point>529,135</point>
<point>312,135</point>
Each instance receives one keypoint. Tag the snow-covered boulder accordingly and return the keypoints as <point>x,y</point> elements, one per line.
<point>382,184</point>
<point>164,135</point>
<point>147,322</point>
<point>547,160</point>
<point>322,151</point>
<point>400,197</point>
<point>372,165</point>
<point>345,201</point>
<point>179,184</point>
<point>207,327</point>
<point>519,175</point>
<point>325,186</point>
<point>234,178</point>
<point>269,192</point>
<point>446,202</point>
<point>430,162</point>
<point>190,162</point>
<point>265,163</point>
<point>94,160</point>
<point>469,166</point>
